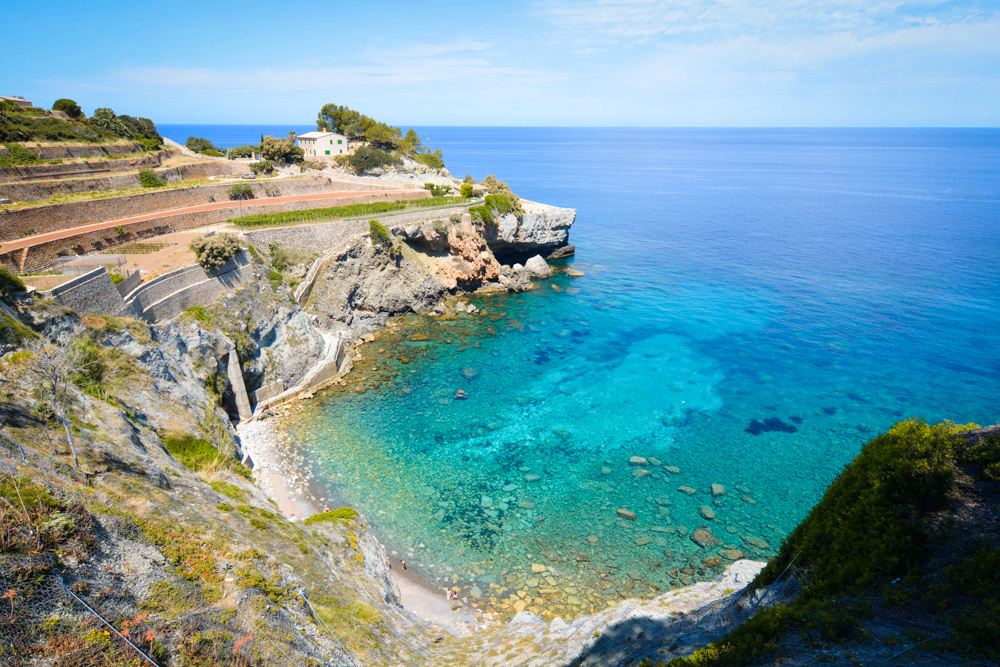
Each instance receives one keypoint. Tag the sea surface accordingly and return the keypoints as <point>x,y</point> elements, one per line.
<point>757,305</point>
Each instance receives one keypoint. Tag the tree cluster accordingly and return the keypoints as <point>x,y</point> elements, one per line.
<point>280,150</point>
<point>388,138</point>
<point>212,252</point>
<point>128,127</point>
<point>199,145</point>
<point>69,107</point>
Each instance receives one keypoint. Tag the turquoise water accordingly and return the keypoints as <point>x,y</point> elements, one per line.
<point>757,304</point>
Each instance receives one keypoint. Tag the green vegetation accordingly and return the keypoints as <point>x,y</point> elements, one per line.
<point>469,180</point>
<point>200,145</point>
<point>240,191</point>
<point>467,190</point>
<point>379,234</point>
<point>149,179</point>
<point>213,153</point>
<point>280,150</point>
<point>262,167</point>
<point>433,160</point>
<point>9,283</point>
<point>883,534</point>
<point>354,623</point>
<point>18,124</point>
<point>18,155</point>
<point>12,331</point>
<point>228,490</point>
<point>69,107</point>
<point>497,187</point>
<point>337,212</point>
<point>241,151</point>
<point>437,190</point>
<point>139,129</point>
<point>193,453</point>
<point>366,159</point>
<point>138,248</point>
<point>340,514</point>
<point>97,364</point>
<point>212,252</point>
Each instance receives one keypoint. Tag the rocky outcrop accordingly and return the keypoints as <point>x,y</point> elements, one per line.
<point>542,230</point>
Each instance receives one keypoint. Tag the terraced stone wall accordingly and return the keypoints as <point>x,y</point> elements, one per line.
<point>15,224</point>
<point>93,293</point>
<point>41,256</point>
<point>33,172</point>
<point>84,150</point>
<point>42,190</point>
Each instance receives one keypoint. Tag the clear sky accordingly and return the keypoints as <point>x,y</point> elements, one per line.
<point>539,62</point>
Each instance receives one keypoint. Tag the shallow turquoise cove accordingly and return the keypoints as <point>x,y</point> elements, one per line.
<point>756,306</point>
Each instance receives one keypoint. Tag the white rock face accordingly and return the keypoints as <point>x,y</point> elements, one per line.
<point>543,227</point>
<point>537,267</point>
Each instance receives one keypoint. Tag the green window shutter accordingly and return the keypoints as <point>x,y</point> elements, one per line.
<point>328,152</point>
<point>340,141</point>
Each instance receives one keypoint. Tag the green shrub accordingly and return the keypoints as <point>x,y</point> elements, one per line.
<point>149,179</point>
<point>379,234</point>
<point>18,155</point>
<point>213,153</point>
<point>240,191</point>
<point>105,118</point>
<point>191,452</point>
<point>212,252</point>
<point>240,151</point>
<point>275,278</point>
<point>433,160</point>
<point>333,516</point>
<point>437,190</point>
<point>9,283</point>
<point>262,167</point>
<point>469,180</point>
<point>280,150</point>
<point>116,278</point>
<point>199,145</point>
<point>467,190</point>
<point>228,490</point>
<point>69,107</point>
<point>366,159</point>
<point>497,187</point>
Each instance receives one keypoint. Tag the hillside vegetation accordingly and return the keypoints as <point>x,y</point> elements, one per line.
<point>901,556</point>
<point>105,126</point>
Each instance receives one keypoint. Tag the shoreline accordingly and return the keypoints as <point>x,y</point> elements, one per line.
<point>296,499</point>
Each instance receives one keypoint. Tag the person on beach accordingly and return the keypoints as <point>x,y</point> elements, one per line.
<point>388,561</point>
<point>449,594</point>
<point>402,564</point>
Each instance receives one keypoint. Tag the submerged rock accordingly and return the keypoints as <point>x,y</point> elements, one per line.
<point>755,541</point>
<point>707,512</point>
<point>718,490</point>
<point>627,514</point>
<point>687,489</point>
<point>705,539</point>
<point>638,461</point>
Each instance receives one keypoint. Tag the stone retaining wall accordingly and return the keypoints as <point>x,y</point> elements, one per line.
<point>148,293</point>
<point>84,150</point>
<point>40,190</point>
<point>92,293</point>
<point>31,172</point>
<point>41,219</point>
<point>40,257</point>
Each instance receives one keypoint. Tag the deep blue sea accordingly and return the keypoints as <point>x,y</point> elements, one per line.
<point>757,304</point>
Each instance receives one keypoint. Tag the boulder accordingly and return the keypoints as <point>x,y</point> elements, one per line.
<point>537,267</point>
<point>704,539</point>
<point>731,554</point>
<point>687,489</point>
<point>641,472</point>
<point>626,514</point>
<point>755,542</point>
<point>718,490</point>
<point>638,461</point>
<point>712,562</point>
<point>537,568</point>
<point>707,512</point>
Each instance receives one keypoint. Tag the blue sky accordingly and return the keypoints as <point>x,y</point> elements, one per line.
<point>543,62</point>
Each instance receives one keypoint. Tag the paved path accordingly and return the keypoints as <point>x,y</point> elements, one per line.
<point>38,239</point>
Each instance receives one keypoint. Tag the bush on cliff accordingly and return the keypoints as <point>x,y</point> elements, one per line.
<point>497,187</point>
<point>9,283</point>
<point>886,534</point>
<point>379,234</point>
<point>149,179</point>
<point>466,190</point>
<point>367,159</point>
<point>212,252</point>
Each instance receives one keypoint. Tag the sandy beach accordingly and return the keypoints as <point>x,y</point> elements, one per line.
<point>297,500</point>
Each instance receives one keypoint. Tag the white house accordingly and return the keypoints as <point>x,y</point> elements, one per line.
<point>322,144</point>
<point>18,101</point>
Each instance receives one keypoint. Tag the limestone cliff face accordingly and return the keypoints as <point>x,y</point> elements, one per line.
<point>541,230</point>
